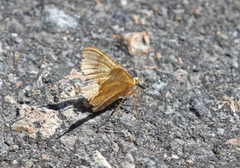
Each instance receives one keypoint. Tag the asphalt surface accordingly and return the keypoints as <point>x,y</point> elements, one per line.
<point>190,82</point>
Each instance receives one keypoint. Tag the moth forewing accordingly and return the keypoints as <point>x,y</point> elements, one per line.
<point>108,92</point>
<point>106,102</point>
<point>119,75</point>
<point>98,56</point>
<point>109,81</point>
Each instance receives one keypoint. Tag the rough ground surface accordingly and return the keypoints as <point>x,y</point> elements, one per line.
<point>190,104</point>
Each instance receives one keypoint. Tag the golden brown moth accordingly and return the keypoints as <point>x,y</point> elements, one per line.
<point>109,81</point>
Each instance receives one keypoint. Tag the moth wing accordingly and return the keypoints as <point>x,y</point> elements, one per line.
<point>109,94</point>
<point>105,103</point>
<point>118,75</point>
<point>90,90</point>
<point>96,65</point>
<point>119,80</point>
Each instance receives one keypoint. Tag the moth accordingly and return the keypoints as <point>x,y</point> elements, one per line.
<point>109,81</point>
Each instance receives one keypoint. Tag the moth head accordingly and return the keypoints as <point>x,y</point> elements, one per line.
<point>136,81</point>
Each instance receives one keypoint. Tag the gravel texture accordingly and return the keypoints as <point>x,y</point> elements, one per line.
<point>191,84</point>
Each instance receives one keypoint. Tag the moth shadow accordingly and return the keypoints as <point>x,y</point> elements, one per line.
<point>80,122</point>
<point>78,104</point>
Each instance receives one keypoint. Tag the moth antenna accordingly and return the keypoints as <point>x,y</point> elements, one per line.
<point>135,112</point>
<point>138,72</point>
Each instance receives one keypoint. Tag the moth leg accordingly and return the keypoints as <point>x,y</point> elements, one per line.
<point>119,105</point>
<point>136,98</point>
<point>129,93</point>
<point>138,94</point>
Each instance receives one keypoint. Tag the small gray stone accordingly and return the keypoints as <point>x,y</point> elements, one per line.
<point>198,105</point>
<point>164,11</point>
<point>220,131</point>
<point>160,22</point>
<point>56,20</point>
<point>3,69</point>
<point>12,78</point>
<point>10,99</point>
<point>14,147</point>
<point>13,25</point>
<point>1,83</point>
<point>16,39</point>
<point>234,62</point>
